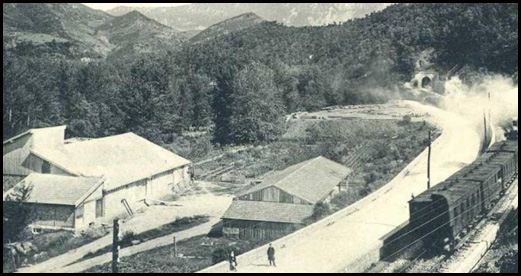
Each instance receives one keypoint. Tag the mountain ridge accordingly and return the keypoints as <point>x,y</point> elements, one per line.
<point>79,31</point>
<point>226,27</point>
<point>199,16</point>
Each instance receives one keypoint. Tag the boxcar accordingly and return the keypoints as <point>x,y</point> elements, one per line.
<point>490,183</point>
<point>506,146</point>
<point>462,201</point>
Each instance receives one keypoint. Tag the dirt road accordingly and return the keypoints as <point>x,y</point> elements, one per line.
<point>350,239</point>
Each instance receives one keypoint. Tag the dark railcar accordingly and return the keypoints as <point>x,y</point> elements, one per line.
<point>506,146</point>
<point>490,181</point>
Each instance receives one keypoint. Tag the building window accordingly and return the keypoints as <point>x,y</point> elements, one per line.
<point>99,208</point>
<point>80,212</point>
<point>46,167</point>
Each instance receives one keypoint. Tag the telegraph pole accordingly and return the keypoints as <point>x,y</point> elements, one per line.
<point>115,248</point>
<point>486,130</point>
<point>429,161</point>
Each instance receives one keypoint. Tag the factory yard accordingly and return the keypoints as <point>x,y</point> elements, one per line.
<point>349,240</point>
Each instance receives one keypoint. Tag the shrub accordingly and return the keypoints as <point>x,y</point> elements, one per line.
<point>219,255</point>
<point>320,211</point>
<point>127,238</point>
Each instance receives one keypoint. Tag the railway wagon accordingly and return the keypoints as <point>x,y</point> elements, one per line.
<point>506,147</point>
<point>463,172</point>
<point>441,214</point>
<point>506,161</point>
<point>488,177</point>
<point>463,205</point>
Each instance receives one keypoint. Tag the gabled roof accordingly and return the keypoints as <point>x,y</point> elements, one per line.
<point>268,212</point>
<point>59,190</point>
<point>122,159</point>
<point>311,181</point>
<point>33,131</point>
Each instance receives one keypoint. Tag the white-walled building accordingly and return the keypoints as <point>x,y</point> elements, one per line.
<point>130,168</point>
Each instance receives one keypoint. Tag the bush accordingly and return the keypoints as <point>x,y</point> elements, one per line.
<point>220,255</point>
<point>127,238</point>
<point>320,211</point>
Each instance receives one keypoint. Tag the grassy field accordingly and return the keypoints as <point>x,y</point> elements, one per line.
<point>194,254</point>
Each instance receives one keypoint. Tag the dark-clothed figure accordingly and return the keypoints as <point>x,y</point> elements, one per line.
<point>271,256</point>
<point>233,262</point>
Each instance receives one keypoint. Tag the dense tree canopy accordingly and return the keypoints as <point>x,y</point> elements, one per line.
<point>241,85</point>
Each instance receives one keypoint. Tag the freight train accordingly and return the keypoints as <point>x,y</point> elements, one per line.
<point>443,215</point>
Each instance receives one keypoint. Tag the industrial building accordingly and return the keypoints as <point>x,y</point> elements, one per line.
<point>96,180</point>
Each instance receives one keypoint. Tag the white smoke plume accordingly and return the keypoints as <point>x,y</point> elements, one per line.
<point>495,97</point>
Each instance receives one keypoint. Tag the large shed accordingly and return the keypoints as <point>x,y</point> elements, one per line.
<point>133,168</point>
<point>284,200</point>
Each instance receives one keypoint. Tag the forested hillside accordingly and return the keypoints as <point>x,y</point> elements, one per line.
<point>243,83</point>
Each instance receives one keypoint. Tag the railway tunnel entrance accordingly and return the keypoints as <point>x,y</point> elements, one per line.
<point>426,83</point>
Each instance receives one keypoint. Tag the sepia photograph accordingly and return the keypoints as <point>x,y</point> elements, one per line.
<point>260,138</point>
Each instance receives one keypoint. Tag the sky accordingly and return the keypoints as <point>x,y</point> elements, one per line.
<point>108,6</point>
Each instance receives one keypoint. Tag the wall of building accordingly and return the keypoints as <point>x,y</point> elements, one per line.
<point>89,210</point>
<point>273,194</point>
<point>53,215</point>
<point>157,187</point>
<point>253,230</point>
<point>14,155</point>
<point>89,215</point>
<point>35,164</point>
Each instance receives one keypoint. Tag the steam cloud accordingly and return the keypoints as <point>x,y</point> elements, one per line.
<point>472,101</point>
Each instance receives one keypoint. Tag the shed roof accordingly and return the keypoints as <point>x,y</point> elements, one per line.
<point>268,211</point>
<point>311,180</point>
<point>121,159</point>
<point>58,190</point>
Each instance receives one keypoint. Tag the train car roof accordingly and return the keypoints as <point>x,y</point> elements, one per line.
<point>483,172</point>
<point>463,172</point>
<point>505,146</point>
<point>425,196</point>
<point>453,192</point>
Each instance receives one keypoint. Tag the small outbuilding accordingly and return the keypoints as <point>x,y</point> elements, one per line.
<point>284,200</point>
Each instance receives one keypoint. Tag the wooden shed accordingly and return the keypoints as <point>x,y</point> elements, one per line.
<point>284,200</point>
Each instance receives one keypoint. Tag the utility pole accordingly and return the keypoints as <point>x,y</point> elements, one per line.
<point>175,247</point>
<point>429,161</point>
<point>115,248</point>
<point>486,130</point>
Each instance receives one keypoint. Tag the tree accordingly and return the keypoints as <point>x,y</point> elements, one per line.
<point>201,88</point>
<point>16,213</point>
<point>222,106</point>
<point>258,111</point>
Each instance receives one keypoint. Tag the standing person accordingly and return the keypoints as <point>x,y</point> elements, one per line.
<point>233,262</point>
<point>271,256</point>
